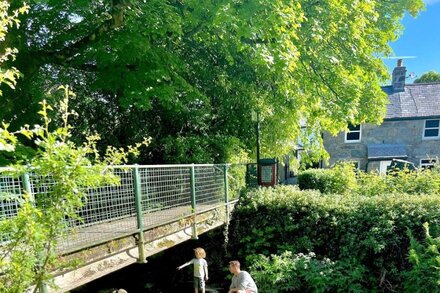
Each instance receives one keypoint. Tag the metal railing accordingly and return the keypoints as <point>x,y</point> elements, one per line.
<point>148,196</point>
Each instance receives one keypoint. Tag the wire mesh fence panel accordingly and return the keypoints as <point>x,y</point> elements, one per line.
<point>11,191</point>
<point>109,212</point>
<point>40,187</point>
<point>210,186</point>
<point>165,193</point>
<point>110,202</point>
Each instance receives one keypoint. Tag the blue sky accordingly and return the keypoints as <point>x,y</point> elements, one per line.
<point>420,38</point>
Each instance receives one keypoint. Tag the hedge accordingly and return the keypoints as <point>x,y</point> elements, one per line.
<point>343,179</point>
<point>340,179</point>
<point>367,234</point>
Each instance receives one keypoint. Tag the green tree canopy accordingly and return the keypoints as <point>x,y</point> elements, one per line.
<point>430,76</point>
<point>190,73</point>
<point>8,75</point>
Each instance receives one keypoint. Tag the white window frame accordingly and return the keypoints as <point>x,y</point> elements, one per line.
<point>425,128</point>
<point>431,163</point>
<point>352,140</point>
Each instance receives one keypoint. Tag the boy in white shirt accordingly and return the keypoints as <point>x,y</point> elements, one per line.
<point>200,269</point>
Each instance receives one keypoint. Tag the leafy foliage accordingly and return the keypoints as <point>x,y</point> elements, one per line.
<point>28,255</point>
<point>368,233</point>
<point>342,179</point>
<point>430,76</point>
<point>8,20</point>
<point>425,260</point>
<point>422,182</point>
<point>189,73</point>
<point>305,273</point>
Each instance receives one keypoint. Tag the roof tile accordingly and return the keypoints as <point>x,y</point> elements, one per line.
<point>376,151</point>
<point>418,100</point>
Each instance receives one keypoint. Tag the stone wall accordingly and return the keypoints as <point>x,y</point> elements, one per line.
<point>407,132</point>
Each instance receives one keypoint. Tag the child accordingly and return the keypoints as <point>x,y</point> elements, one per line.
<point>200,269</point>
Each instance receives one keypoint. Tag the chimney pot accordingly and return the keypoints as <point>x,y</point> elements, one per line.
<point>398,80</point>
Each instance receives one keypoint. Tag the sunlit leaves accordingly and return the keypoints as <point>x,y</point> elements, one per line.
<point>8,19</point>
<point>186,72</point>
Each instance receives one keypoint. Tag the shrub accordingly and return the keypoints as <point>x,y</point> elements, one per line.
<point>340,179</point>
<point>236,180</point>
<point>343,178</point>
<point>422,182</point>
<point>371,184</point>
<point>370,230</point>
<point>304,273</point>
<point>312,179</point>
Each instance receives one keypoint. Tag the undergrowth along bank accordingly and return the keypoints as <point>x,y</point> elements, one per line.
<point>366,238</point>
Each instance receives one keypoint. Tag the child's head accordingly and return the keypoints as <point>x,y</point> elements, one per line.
<point>199,252</point>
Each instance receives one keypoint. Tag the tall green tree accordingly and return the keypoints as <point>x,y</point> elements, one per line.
<point>190,73</point>
<point>430,76</point>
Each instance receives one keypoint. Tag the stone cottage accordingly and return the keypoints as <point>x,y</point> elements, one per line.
<point>410,130</point>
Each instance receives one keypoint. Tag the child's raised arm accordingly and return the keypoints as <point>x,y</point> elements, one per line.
<point>185,264</point>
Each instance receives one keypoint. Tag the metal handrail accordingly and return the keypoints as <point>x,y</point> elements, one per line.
<point>166,192</point>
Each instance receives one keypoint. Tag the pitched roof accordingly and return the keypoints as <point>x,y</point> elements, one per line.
<point>418,100</point>
<point>380,151</point>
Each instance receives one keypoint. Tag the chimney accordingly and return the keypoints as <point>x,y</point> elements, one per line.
<point>399,77</point>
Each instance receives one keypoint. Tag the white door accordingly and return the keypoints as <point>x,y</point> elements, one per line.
<point>383,167</point>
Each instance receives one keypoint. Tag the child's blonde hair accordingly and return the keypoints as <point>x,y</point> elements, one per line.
<point>200,252</point>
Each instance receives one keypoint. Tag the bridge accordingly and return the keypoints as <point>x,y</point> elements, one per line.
<point>153,208</point>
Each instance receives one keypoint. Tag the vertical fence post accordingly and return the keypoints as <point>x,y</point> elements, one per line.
<point>193,201</point>
<point>27,187</point>
<point>140,223</point>
<point>226,184</point>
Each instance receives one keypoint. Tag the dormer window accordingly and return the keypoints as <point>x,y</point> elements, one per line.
<point>353,134</point>
<point>431,129</point>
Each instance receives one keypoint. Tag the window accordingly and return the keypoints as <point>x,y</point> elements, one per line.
<point>431,129</point>
<point>427,163</point>
<point>353,134</point>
